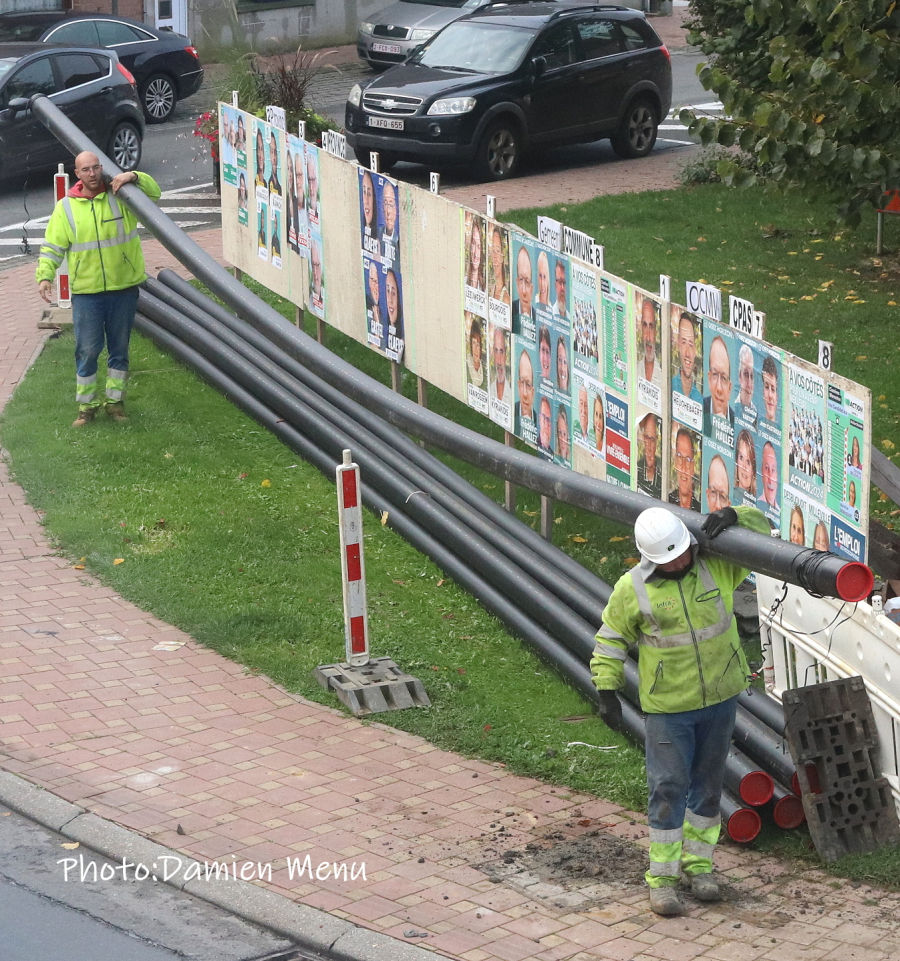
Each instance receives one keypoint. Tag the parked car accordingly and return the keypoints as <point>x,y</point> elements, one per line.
<point>389,36</point>
<point>507,78</point>
<point>91,88</point>
<point>165,64</point>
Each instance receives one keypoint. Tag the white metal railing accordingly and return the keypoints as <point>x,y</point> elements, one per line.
<point>810,639</point>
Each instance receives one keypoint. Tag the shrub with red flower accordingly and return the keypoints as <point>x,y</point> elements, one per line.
<point>207,127</point>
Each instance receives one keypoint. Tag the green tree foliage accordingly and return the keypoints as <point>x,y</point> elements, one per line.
<point>811,90</point>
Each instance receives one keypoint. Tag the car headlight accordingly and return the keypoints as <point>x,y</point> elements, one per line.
<point>451,106</point>
<point>366,27</point>
<point>355,95</point>
<point>421,35</point>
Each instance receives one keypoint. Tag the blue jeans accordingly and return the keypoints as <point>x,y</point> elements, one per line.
<point>686,755</point>
<point>102,319</point>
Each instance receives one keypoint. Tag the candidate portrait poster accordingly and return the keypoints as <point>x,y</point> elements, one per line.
<point>240,139</point>
<point>498,276</point>
<point>474,264</point>
<point>500,378</point>
<point>588,425</point>
<point>228,120</point>
<point>317,299</point>
<point>524,256</point>
<point>261,187</point>
<point>476,364</point>
<point>525,415</point>
<point>380,245</point>
<point>296,219</point>
<point>719,363</point>
<point>650,332</point>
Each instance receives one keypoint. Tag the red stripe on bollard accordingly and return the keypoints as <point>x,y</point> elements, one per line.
<point>348,484</point>
<point>358,635</point>
<point>354,568</point>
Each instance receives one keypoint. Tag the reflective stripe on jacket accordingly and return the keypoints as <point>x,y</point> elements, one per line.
<point>689,652</point>
<point>99,236</point>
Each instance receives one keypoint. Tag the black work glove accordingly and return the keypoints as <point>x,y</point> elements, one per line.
<point>610,709</point>
<point>719,521</point>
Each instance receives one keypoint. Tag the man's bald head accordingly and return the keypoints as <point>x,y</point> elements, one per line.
<point>89,172</point>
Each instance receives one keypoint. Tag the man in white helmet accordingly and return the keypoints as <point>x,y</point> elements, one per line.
<point>676,608</point>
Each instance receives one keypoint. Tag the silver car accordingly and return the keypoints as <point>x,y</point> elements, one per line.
<point>392,34</point>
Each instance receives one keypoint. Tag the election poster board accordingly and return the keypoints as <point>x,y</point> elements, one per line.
<point>595,373</point>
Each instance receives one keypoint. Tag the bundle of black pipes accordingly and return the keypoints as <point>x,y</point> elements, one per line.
<point>539,592</point>
<point>519,576</point>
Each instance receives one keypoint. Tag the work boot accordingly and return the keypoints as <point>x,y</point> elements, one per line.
<point>117,412</point>
<point>85,417</point>
<point>704,887</point>
<point>665,901</point>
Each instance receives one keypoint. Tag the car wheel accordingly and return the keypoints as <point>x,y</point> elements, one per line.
<point>636,135</point>
<point>499,151</point>
<point>385,160</point>
<point>158,98</point>
<point>125,146</point>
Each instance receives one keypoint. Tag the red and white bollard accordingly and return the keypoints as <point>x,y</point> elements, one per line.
<point>63,297</point>
<point>356,621</point>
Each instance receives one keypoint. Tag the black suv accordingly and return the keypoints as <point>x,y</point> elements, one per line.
<point>510,77</point>
<point>91,88</point>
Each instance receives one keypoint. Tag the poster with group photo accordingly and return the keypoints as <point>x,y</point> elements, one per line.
<point>296,219</point>
<point>826,476</point>
<point>584,309</point>
<point>380,244</point>
<point>498,277</point>
<point>500,378</point>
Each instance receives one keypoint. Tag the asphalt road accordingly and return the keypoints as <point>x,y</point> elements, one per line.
<point>48,912</point>
<point>180,162</point>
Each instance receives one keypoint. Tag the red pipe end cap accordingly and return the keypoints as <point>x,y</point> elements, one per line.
<point>757,788</point>
<point>743,826</point>
<point>854,582</point>
<point>789,813</point>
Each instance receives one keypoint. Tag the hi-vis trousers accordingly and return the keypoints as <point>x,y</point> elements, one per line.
<point>686,755</point>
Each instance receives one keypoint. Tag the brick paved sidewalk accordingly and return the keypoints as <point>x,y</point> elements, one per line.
<point>187,748</point>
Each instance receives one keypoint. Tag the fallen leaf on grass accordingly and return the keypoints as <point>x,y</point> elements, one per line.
<point>266,483</point>
<point>530,513</point>
<point>887,444</point>
<point>401,583</point>
<point>119,560</point>
<point>384,518</point>
<point>440,583</point>
<point>578,539</point>
<point>862,357</point>
<point>80,565</point>
<point>631,561</point>
<point>614,540</point>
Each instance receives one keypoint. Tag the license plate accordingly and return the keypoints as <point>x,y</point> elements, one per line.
<point>387,47</point>
<point>388,123</point>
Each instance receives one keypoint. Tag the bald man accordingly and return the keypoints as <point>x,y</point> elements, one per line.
<point>106,264</point>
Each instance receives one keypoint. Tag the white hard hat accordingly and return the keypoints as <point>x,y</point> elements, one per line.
<point>660,536</point>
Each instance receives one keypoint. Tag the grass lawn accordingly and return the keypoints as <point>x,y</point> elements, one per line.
<point>226,534</point>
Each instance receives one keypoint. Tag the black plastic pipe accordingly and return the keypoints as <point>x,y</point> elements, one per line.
<point>540,603</point>
<point>764,745</point>
<point>816,571</point>
<point>480,522</point>
<point>458,569</point>
<point>187,296</point>
<point>764,707</point>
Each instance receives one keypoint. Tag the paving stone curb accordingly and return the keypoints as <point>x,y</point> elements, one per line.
<point>310,928</point>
